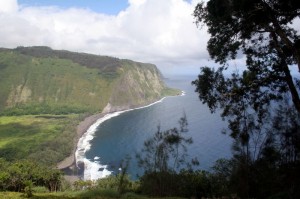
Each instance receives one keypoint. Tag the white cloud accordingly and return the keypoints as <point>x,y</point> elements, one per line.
<point>136,2</point>
<point>160,32</point>
<point>8,6</point>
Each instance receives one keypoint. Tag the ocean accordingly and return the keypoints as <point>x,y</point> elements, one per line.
<point>119,135</point>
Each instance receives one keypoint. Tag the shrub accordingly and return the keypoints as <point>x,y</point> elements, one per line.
<point>39,189</point>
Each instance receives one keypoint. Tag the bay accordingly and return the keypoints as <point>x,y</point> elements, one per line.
<point>125,134</point>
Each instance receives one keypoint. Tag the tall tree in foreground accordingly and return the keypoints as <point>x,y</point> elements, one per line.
<point>161,158</point>
<point>263,31</point>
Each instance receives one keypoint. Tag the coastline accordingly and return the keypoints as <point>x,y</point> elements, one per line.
<point>93,169</point>
<point>69,163</point>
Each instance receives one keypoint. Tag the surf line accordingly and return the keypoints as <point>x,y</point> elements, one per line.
<point>92,169</point>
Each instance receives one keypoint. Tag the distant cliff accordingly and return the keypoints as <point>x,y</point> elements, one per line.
<point>35,80</point>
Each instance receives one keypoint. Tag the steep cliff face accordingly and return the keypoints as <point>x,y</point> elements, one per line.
<point>40,80</point>
<point>139,84</point>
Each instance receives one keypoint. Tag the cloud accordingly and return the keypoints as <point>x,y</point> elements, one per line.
<point>160,32</point>
<point>8,6</point>
<point>136,2</point>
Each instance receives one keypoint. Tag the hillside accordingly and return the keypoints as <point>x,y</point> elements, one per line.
<point>45,93</point>
<point>36,80</point>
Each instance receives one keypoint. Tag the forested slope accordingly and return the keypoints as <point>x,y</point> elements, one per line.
<point>45,93</point>
<point>38,80</point>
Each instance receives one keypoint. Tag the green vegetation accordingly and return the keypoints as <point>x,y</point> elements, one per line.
<point>162,157</point>
<point>48,90</point>
<point>105,63</point>
<point>44,94</point>
<point>76,195</point>
<point>39,80</point>
<point>21,176</point>
<point>48,84</point>
<point>260,104</point>
<point>29,179</point>
<point>44,138</point>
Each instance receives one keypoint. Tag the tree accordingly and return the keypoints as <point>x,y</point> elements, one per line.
<point>262,104</point>
<point>22,175</point>
<point>161,158</point>
<point>166,150</point>
<point>123,178</point>
<point>4,175</point>
<point>262,30</point>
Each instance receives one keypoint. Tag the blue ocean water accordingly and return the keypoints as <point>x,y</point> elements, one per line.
<point>125,134</point>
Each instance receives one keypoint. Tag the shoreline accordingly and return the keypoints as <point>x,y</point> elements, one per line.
<point>69,163</point>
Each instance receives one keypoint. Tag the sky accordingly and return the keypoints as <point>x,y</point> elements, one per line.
<point>161,32</point>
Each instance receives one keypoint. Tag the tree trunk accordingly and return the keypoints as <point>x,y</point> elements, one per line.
<point>288,76</point>
<point>288,43</point>
<point>292,87</point>
<point>283,36</point>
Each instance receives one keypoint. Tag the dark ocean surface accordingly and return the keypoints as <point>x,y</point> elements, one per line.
<point>124,135</point>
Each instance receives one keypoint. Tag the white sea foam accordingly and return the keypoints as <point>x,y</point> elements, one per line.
<point>93,169</point>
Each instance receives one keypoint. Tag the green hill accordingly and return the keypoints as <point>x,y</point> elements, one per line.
<point>37,80</point>
<point>45,93</point>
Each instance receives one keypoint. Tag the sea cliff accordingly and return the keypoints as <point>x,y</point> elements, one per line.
<point>61,88</point>
<point>35,80</point>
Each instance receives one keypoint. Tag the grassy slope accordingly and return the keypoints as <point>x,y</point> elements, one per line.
<point>75,195</point>
<point>51,81</point>
<point>44,138</point>
<point>30,85</point>
<point>38,80</point>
